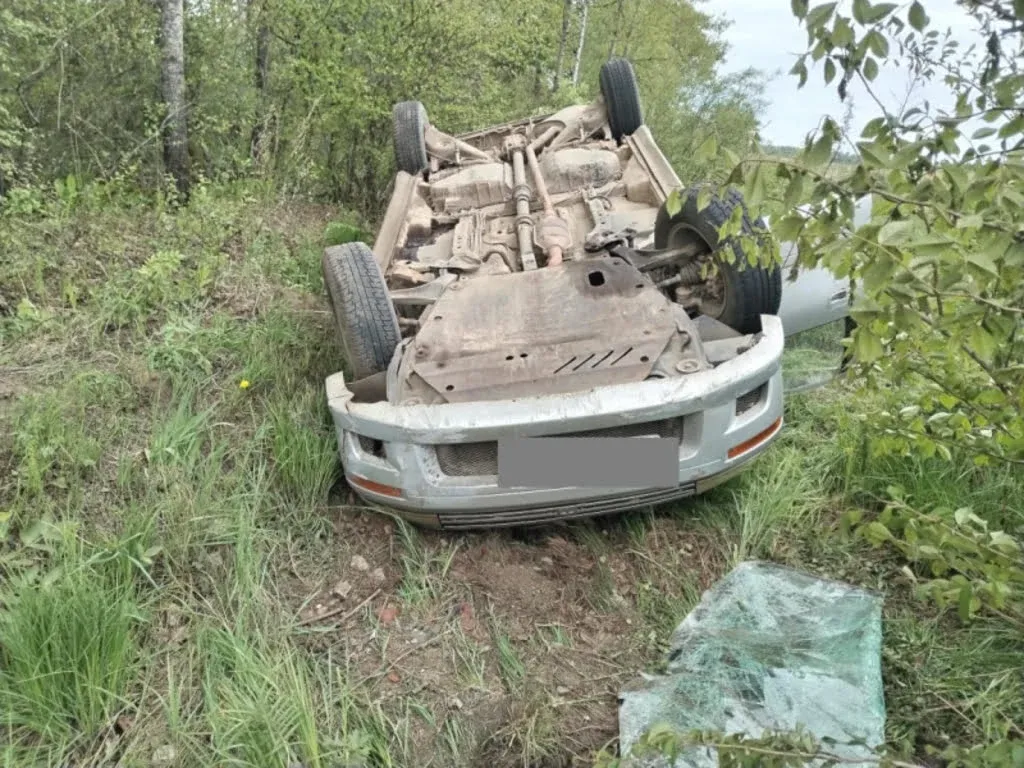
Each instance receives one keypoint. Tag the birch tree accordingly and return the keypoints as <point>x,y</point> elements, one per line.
<point>172,80</point>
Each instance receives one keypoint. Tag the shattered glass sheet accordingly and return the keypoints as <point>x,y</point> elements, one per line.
<point>769,649</point>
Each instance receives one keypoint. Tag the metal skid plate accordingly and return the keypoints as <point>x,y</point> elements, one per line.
<point>560,329</point>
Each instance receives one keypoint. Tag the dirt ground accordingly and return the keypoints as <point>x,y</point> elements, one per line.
<point>527,635</point>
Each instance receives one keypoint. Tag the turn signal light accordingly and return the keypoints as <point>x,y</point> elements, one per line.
<point>374,487</point>
<point>756,440</point>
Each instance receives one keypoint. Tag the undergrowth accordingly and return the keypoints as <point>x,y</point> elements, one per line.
<point>185,581</point>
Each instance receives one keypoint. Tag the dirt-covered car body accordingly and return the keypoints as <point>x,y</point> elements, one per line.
<point>528,281</point>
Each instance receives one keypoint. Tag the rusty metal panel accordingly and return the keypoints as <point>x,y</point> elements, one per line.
<point>579,325</point>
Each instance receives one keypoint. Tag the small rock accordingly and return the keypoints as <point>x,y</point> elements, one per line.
<point>547,561</point>
<point>359,563</point>
<point>561,690</point>
<point>394,678</point>
<point>467,621</point>
<point>341,589</point>
<point>387,614</point>
<point>455,702</point>
<point>378,576</point>
<point>165,755</point>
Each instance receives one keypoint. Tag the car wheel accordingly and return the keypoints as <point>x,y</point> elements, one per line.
<point>621,97</point>
<point>849,326</point>
<point>363,313</point>
<point>737,294</point>
<point>410,118</point>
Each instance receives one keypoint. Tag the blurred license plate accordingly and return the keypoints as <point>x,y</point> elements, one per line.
<point>588,462</point>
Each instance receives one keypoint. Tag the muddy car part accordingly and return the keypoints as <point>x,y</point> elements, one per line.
<point>729,290</point>
<point>417,141</point>
<point>526,281</point>
<point>363,313</point>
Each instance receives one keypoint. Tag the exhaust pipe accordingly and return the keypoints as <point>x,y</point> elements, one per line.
<point>524,223</point>
<point>554,250</point>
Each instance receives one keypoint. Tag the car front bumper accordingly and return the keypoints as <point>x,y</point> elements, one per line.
<point>435,464</point>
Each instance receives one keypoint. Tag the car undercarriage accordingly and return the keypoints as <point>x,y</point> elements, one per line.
<point>538,263</point>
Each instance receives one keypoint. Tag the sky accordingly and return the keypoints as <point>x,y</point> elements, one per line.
<point>765,35</point>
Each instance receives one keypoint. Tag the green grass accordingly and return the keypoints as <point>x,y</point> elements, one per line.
<point>176,549</point>
<point>69,650</point>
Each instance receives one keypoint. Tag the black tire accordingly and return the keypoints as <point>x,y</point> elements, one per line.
<point>749,291</point>
<point>621,97</point>
<point>410,119</point>
<point>363,312</point>
<point>849,326</point>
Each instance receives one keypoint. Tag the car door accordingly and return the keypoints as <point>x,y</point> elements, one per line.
<point>815,311</point>
<point>815,297</point>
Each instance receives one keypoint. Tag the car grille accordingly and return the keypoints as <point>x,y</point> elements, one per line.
<point>468,459</point>
<point>481,459</point>
<point>558,512</point>
<point>747,401</point>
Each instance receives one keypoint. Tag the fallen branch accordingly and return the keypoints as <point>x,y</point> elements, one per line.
<point>336,611</point>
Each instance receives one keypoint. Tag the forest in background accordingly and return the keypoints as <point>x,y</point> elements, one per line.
<point>301,93</point>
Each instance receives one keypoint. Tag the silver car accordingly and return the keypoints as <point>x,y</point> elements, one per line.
<point>530,305</point>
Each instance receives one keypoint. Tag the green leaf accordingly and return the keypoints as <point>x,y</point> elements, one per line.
<point>673,203</point>
<point>877,532</point>
<point>703,198</point>
<point>870,68</point>
<point>917,17</point>
<point>794,192</point>
<point>983,343</point>
<point>830,70</point>
<point>820,14</point>
<point>896,232</point>
<point>876,41</point>
<point>874,154</point>
<point>800,69</point>
<point>879,12</point>
<point>984,261</point>
<point>820,151</point>
<point>842,32</point>
<point>787,229</point>
<point>861,9</point>
<point>799,8</point>
<point>756,186</point>
<point>707,150</point>
<point>866,346</point>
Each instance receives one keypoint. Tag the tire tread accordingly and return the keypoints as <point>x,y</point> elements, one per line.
<point>364,315</point>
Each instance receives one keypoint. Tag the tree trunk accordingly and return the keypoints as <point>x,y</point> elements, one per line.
<point>262,82</point>
<point>562,42</point>
<point>175,133</point>
<point>579,47</point>
<point>618,25</point>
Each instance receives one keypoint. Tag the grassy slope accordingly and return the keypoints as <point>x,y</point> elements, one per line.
<point>184,582</point>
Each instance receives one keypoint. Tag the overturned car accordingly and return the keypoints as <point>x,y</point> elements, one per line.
<point>529,283</point>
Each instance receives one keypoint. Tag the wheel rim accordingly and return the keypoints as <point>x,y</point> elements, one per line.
<point>712,292</point>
